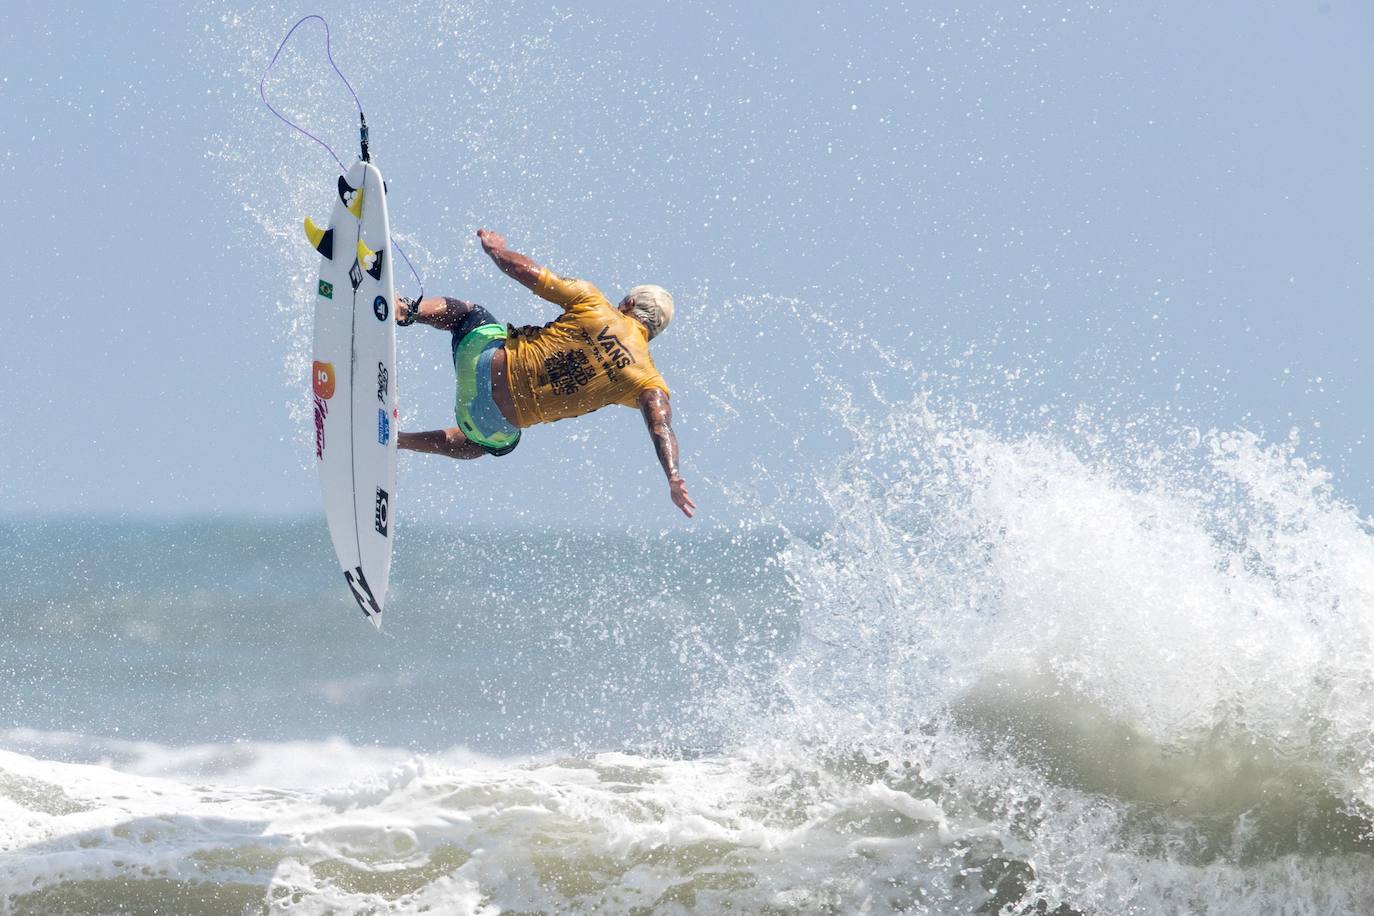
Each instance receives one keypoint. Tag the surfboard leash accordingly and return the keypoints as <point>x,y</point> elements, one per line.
<point>329,52</point>
<point>362,121</point>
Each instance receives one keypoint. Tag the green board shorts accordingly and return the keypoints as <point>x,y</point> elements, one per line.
<point>475,340</point>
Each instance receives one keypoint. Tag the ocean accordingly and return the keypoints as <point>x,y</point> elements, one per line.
<point>1015,613</point>
<point>1008,674</point>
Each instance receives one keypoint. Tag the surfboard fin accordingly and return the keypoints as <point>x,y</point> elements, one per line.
<point>352,197</point>
<point>371,260</point>
<point>322,240</point>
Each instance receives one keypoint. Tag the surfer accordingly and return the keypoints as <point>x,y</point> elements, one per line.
<point>510,378</point>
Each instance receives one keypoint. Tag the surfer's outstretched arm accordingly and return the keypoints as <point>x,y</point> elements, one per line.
<point>512,263</point>
<point>449,442</point>
<point>658,416</point>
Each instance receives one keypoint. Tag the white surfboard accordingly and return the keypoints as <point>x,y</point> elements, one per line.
<point>353,384</point>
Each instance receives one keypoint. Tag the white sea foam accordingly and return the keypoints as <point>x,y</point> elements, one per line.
<point>607,833</point>
<point>283,764</point>
<point>1148,671</point>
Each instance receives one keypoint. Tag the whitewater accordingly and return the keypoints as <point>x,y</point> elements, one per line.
<point>1010,676</point>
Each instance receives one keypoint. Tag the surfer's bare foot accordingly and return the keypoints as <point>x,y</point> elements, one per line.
<point>432,311</point>
<point>440,312</point>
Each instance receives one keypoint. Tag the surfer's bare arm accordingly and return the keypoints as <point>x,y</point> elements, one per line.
<point>448,442</point>
<point>658,416</point>
<point>512,263</point>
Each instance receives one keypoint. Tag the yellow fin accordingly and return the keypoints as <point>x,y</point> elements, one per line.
<point>313,232</point>
<point>365,255</point>
<point>322,240</point>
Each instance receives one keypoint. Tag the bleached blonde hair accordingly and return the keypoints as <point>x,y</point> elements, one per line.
<point>653,305</point>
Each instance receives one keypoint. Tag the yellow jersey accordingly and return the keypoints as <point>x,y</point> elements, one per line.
<point>590,356</point>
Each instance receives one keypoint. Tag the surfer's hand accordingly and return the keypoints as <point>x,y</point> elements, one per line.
<point>677,488</point>
<point>511,263</point>
<point>491,240</point>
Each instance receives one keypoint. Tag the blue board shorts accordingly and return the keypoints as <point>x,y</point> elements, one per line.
<point>474,343</point>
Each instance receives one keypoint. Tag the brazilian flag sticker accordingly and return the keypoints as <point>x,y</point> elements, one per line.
<point>326,289</point>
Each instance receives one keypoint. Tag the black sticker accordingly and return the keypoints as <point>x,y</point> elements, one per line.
<point>383,509</point>
<point>383,382</point>
<point>379,308</point>
<point>355,275</point>
<point>362,593</point>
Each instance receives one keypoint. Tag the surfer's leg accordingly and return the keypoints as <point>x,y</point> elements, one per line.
<point>442,312</point>
<point>450,442</point>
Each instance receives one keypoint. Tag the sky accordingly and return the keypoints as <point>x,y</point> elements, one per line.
<point>1036,208</point>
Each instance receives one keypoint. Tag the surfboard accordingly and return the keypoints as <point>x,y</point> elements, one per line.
<point>353,383</point>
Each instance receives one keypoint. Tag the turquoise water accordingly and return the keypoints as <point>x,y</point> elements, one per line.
<point>506,643</point>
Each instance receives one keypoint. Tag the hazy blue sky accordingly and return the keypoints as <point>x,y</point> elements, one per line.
<point>1130,207</point>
